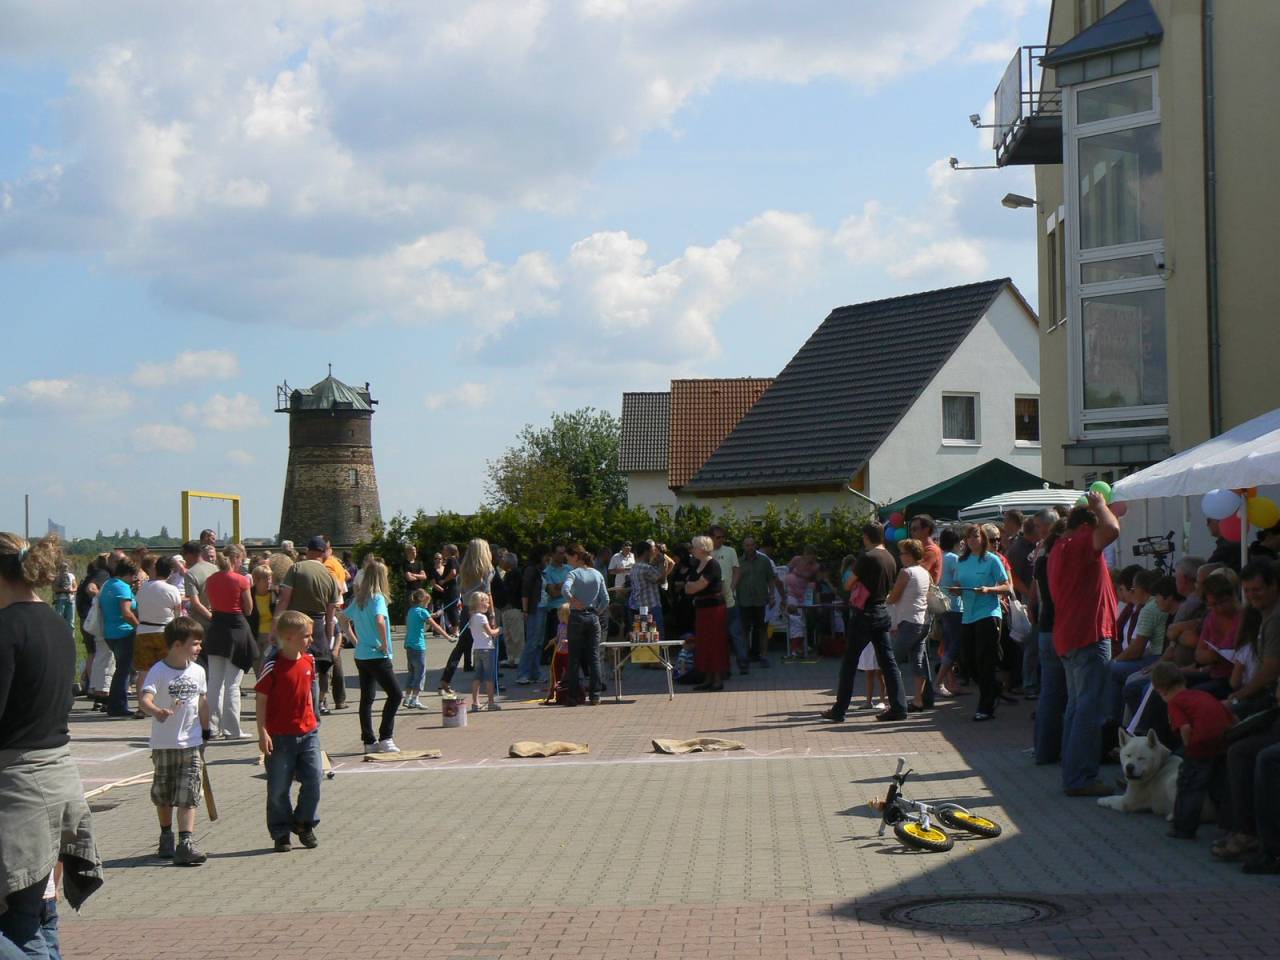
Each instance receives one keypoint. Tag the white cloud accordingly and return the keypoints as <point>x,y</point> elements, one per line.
<point>242,458</point>
<point>279,162</point>
<point>74,397</point>
<point>221,412</point>
<point>162,438</point>
<point>465,396</point>
<point>188,367</point>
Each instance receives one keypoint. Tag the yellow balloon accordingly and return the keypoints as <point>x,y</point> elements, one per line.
<point>1263,512</point>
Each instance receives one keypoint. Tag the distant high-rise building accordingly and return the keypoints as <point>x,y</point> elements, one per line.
<point>58,529</point>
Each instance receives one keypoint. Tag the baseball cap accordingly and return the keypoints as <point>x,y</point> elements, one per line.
<point>317,543</point>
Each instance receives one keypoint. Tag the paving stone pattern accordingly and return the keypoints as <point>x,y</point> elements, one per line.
<point>768,852</point>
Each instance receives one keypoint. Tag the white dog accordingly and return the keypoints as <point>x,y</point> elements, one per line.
<point>1151,775</point>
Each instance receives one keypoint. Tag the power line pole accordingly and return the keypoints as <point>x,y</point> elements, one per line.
<point>26,509</point>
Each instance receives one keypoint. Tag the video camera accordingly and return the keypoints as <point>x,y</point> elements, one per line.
<point>1157,548</point>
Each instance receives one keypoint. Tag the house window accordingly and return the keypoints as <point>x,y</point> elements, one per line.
<point>1088,12</point>
<point>353,475</point>
<point>1115,290</point>
<point>960,418</point>
<point>1026,421</point>
<point>1056,267</point>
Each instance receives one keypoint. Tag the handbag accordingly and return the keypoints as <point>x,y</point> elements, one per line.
<point>938,602</point>
<point>1019,622</point>
<point>1256,723</point>
<point>92,624</point>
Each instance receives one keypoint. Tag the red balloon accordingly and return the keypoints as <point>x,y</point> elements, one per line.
<point>896,519</point>
<point>1119,509</point>
<point>1229,527</point>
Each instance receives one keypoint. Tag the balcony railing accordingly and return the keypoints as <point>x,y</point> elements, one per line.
<point>1028,117</point>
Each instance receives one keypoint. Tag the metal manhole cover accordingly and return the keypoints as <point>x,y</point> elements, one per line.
<point>968,912</point>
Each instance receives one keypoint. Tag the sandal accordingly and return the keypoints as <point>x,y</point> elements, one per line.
<point>1236,846</point>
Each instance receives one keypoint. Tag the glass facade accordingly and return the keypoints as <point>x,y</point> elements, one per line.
<point>1124,349</point>
<point>1121,199</point>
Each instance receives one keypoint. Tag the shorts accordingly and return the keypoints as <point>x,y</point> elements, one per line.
<point>482,660</point>
<point>177,777</point>
<point>148,650</point>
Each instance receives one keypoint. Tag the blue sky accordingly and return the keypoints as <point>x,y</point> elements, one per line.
<point>489,211</point>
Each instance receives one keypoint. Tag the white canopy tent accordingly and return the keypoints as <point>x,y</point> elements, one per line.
<point>1245,456</point>
<point>1026,501</point>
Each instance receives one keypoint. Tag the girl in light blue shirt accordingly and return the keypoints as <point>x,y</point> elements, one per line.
<point>981,579</point>
<point>366,621</point>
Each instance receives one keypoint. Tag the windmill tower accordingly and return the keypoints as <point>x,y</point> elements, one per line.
<point>330,486</point>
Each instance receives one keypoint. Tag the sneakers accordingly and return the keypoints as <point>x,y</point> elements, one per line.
<point>523,681</point>
<point>283,845</point>
<point>980,717</point>
<point>386,746</point>
<point>167,844</point>
<point>371,748</point>
<point>306,836</point>
<point>189,855</point>
<point>890,716</point>
<point>495,705</point>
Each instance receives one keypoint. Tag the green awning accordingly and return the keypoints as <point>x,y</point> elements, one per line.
<point>945,500</point>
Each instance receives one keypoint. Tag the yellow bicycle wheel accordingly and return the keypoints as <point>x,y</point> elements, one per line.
<point>970,823</point>
<point>916,835</point>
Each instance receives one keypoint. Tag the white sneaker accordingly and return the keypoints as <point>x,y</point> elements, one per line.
<point>387,746</point>
<point>371,748</point>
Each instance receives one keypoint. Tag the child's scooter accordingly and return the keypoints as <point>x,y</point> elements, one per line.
<point>915,822</point>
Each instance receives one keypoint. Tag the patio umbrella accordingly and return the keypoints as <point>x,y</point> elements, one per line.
<point>1245,456</point>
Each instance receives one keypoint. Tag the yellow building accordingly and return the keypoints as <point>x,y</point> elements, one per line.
<point>1154,133</point>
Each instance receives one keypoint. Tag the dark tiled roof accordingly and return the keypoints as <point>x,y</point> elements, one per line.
<point>330,394</point>
<point>645,421</point>
<point>703,413</point>
<point>1131,24</point>
<point>844,391</point>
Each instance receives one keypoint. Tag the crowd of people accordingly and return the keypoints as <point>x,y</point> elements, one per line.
<point>1027,609</point>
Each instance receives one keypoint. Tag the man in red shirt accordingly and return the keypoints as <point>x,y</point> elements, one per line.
<point>1200,720</point>
<point>1084,624</point>
<point>922,527</point>
<point>288,733</point>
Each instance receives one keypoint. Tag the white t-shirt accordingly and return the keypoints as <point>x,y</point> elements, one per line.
<point>480,639</point>
<point>157,602</point>
<point>727,557</point>
<point>626,563</point>
<point>179,691</point>
<point>913,605</point>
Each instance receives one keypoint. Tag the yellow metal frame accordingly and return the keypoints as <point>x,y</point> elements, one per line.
<point>188,495</point>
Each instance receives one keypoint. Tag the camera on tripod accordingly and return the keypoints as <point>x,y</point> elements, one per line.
<point>1155,547</point>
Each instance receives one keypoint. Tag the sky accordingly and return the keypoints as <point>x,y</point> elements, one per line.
<point>490,211</point>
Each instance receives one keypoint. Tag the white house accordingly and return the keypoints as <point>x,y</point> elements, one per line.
<point>884,399</point>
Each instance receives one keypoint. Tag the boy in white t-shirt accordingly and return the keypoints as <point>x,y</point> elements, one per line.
<point>174,695</point>
<point>482,637</point>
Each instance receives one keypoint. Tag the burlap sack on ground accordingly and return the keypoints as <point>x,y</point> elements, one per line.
<point>403,755</point>
<point>556,748</point>
<point>696,745</point>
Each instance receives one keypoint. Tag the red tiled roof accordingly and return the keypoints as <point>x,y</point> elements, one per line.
<point>703,413</point>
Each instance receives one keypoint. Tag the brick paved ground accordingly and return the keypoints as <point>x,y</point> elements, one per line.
<point>768,852</point>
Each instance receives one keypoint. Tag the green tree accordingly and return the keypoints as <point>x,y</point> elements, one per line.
<point>574,460</point>
<point>164,532</point>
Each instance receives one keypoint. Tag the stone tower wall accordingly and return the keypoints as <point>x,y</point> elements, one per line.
<point>330,485</point>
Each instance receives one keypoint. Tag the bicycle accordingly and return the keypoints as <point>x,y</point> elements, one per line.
<point>915,822</point>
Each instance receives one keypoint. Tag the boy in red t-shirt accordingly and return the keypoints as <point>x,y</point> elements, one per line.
<point>288,734</point>
<point>1201,720</point>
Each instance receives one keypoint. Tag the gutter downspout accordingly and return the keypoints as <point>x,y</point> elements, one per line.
<point>1211,222</point>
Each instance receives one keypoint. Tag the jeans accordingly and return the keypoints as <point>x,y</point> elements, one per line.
<point>909,647</point>
<point>869,626</point>
<point>1252,785</point>
<point>951,622</point>
<point>584,654</point>
<point>29,925</point>
<point>1197,780</point>
<point>1052,703</point>
<point>293,757</point>
<point>66,608</point>
<point>1031,662</point>
<point>118,696</point>
<point>737,641</point>
<point>1087,679</point>
<point>755,633</point>
<point>379,672</point>
<point>338,680</point>
<point>980,643</point>
<point>531,656</point>
<point>224,697</point>
<point>1120,671</point>
<point>417,662</point>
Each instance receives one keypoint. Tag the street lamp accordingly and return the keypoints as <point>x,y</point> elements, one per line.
<point>1016,200</point>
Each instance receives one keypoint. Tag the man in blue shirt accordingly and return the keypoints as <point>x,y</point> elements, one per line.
<point>588,597</point>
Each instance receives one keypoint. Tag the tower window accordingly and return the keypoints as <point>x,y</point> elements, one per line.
<point>354,476</point>
<point>359,513</point>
